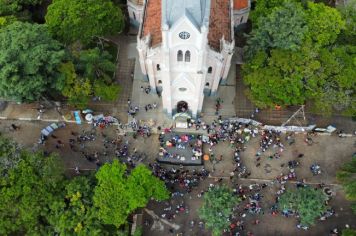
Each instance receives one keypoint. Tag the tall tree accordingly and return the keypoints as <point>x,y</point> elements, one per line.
<point>348,12</point>
<point>29,58</point>
<point>9,156</point>
<point>74,87</point>
<point>27,194</point>
<point>143,186</point>
<point>283,78</point>
<point>347,176</point>
<point>217,208</point>
<point>283,28</point>
<point>308,202</point>
<point>348,232</point>
<point>6,20</point>
<point>118,195</point>
<point>263,8</point>
<point>75,213</point>
<point>107,92</point>
<point>95,64</point>
<point>10,7</point>
<point>324,24</point>
<point>289,67</point>
<point>337,92</point>
<point>82,20</point>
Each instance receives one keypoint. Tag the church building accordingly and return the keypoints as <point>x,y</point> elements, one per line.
<point>185,47</point>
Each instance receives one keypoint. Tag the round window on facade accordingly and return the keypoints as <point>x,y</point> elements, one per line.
<point>182,89</point>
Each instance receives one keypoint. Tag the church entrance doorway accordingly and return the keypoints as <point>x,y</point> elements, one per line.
<point>182,106</point>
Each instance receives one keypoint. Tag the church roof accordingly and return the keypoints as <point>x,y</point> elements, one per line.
<point>220,23</point>
<point>215,14</point>
<point>194,10</point>
<point>138,2</point>
<point>152,21</point>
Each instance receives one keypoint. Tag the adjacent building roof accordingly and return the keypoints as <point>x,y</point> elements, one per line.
<point>138,2</point>
<point>152,21</point>
<point>220,23</point>
<point>240,4</point>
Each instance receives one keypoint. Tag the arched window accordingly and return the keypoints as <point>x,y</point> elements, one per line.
<point>134,15</point>
<point>180,55</point>
<point>187,56</point>
<point>210,70</point>
<point>159,81</point>
<point>158,67</point>
<point>207,84</point>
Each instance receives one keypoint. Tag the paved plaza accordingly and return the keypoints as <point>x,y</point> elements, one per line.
<point>330,152</point>
<point>102,145</point>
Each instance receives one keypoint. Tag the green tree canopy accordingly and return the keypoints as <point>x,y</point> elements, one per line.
<point>95,64</point>
<point>348,12</point>
<point>6,20</point>
<point>292,58</point>
<point>74,87</point>
<point>263,8</point>
<point>288,25</point>
<point>27,194</point>
<point>348,232</point>
<point>284,28</point>
<point>308,202</point>
<point>337,92</point>
<point>347,176</point>
<point>217,208</point>
<point>75,214</point>
<point>323,76</point>
<point>9,156</point>
<point>29,58</point>
<point>82,20</point>
<point>143,186</point>
<point>109,93</point>
<point>118,195</point>
<point>90,73</point>
<point>36,199</point>
<point>324,24</point>
<point>9,7</point>
<point>282,78</point>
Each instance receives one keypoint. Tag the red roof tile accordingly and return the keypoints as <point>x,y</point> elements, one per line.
<point>152,21</point>
<point>240,4</point>
<point>137,2</point>
<point>220,23</point>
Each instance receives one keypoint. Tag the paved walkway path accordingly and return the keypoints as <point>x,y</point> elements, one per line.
<point>127,60</point>
<point>271,180</point>
<point>156,218</point>
<point>124,76</point>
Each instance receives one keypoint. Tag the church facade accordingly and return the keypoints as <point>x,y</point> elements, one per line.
<point>185,48</point>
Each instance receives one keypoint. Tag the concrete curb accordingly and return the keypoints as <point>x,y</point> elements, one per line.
<point>271,180</point>
<point>34,119</point>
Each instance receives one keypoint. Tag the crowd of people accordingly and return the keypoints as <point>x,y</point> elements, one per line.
<point>181,181</point>
<point>170,143</point>
<point>184,179</point>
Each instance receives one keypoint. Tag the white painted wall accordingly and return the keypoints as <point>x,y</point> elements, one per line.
<point>135,11</point>
<point>181,80</point>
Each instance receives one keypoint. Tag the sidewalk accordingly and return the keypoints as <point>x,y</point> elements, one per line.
<point>235,102</point>
<point>29,112</point>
